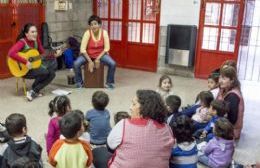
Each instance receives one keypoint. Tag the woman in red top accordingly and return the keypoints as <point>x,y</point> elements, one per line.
<point>94,48</point>
<point>27,39</point>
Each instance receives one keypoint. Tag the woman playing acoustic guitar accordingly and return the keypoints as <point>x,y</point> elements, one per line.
<point>26,40</point>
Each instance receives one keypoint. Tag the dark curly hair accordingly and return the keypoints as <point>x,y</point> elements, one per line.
<point>151,105</point>
<point>183,129</point>
<point>94,18</point>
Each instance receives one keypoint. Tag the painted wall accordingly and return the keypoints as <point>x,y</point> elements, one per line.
<point>184,12</point>
<point>63,24</point>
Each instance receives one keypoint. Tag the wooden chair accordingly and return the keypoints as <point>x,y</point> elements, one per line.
<point>94,79</point>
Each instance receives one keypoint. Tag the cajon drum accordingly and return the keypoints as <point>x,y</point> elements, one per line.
<point>94,79</point>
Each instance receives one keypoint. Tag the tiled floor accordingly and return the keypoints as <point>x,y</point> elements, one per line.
<point>127,82</point>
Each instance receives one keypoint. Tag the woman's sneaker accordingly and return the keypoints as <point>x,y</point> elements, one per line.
<point>109,86</point>
<point>30,95</point>
<point>79,85</point>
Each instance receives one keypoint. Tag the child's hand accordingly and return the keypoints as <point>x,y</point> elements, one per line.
<point>203,134</point>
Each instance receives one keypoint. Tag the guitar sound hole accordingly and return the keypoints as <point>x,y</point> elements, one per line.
<point>30,59</point>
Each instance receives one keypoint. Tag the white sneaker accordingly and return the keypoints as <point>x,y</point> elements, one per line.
<point>30,95</point>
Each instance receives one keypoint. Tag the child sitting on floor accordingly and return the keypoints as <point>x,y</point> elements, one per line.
<point>60,105</point>
<point>71,152</point>
<point>165,86</point>
<point>202,117</point>
<point>184,153</point>
<point>99,119</point>
<point>173,103</point>
<point>219,151</point>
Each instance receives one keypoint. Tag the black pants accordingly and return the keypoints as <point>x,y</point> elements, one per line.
<point>43,76</point>
<point>100,157</point>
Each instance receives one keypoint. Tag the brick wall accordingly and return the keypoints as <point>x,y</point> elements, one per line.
<point>63,24</point>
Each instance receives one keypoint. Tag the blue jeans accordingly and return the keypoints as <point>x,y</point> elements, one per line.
<point>105,59</point>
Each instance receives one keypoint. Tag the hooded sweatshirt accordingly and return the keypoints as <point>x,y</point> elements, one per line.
<point>219,152</point>
<point>21,148</point>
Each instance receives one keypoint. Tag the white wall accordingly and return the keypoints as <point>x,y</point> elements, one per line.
<point>184,12</point>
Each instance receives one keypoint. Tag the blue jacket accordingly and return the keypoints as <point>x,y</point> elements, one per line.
<point>211,124</point>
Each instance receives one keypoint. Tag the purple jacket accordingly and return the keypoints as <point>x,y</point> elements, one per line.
<point>53,133</point>
<point>219,152</point>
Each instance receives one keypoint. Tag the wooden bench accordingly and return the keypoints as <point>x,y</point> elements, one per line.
<point>94,79</point>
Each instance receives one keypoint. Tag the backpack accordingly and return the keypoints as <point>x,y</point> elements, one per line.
<point>74,45</point>
<point>46,39</point>
<point>68,58</point>
<point>25,162</point>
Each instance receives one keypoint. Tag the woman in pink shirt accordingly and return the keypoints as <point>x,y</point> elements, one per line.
<point>94,49</point>
<point>144,140</point>
<point>28,39</point>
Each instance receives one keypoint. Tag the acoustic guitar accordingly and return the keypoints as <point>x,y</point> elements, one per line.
<point>18,69</point>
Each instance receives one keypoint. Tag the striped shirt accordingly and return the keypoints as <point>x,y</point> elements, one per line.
<point>184,155</point>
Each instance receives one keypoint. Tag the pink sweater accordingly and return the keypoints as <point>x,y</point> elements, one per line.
<point>53,133</point>
<point>19,45</point>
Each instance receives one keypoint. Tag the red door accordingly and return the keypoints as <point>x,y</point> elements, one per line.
<point>133,27</point>
<point>219,34</point>
<point>13,16</point>
<point>6,37</point>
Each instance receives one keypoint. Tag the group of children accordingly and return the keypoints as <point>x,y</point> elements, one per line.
<point>77,140</point>
<point>203,121</point>
<point>70,140</point>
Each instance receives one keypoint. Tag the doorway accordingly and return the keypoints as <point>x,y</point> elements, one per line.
<point>133,27</point>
